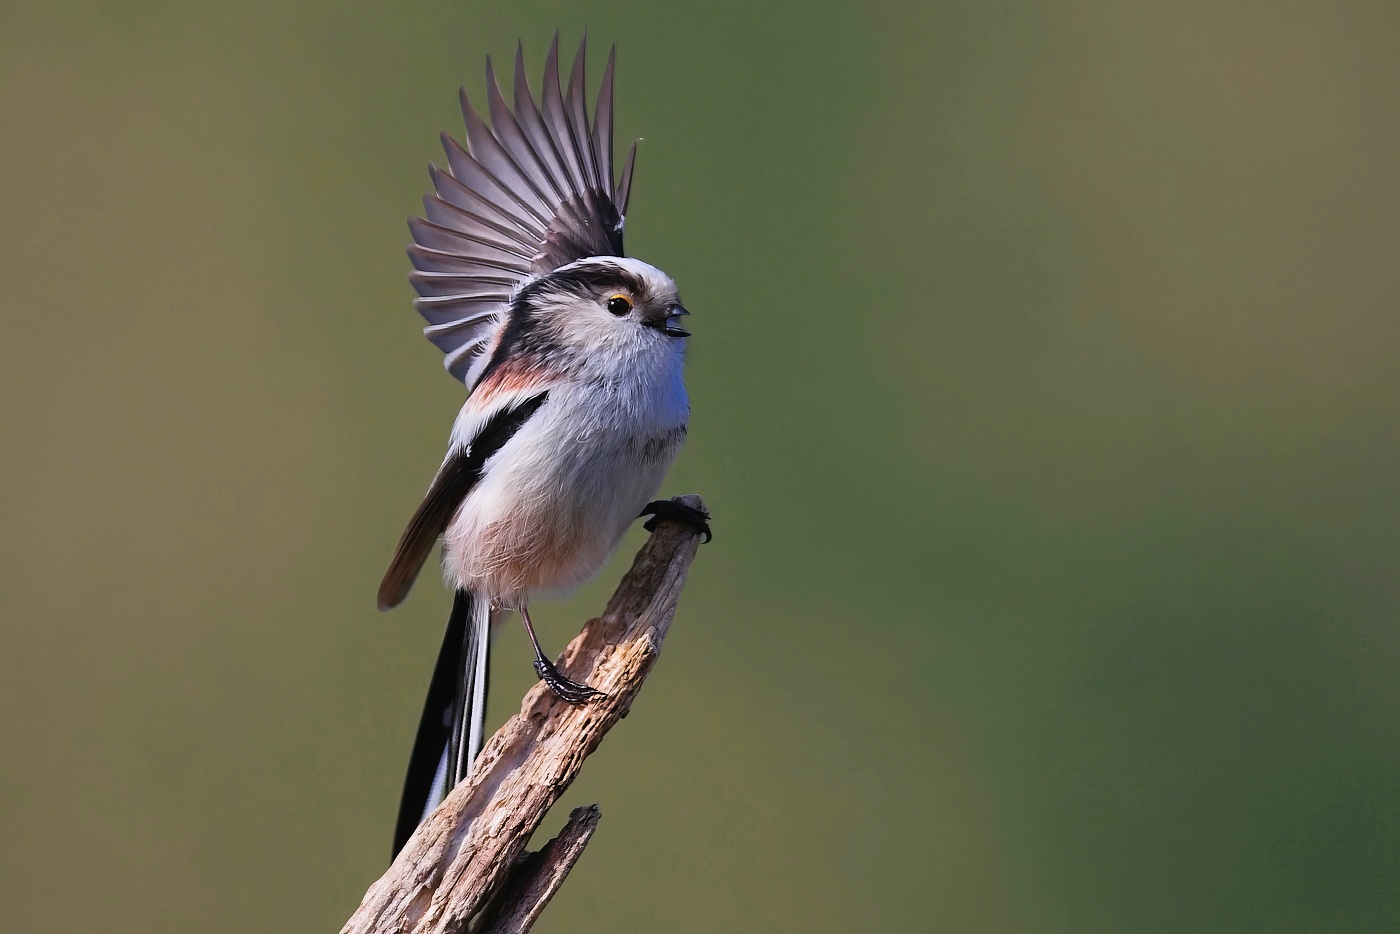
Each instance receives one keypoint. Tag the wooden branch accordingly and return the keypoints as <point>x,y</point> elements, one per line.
<point>536,878</point>
<point>461,856</point>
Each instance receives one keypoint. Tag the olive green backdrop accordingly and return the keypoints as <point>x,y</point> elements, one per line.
<point>1046,397</point>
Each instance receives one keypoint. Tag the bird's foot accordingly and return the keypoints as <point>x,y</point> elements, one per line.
<point>570,692</point>
<point>668,510</point>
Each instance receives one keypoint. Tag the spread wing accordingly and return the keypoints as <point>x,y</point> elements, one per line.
<point>529,193</point>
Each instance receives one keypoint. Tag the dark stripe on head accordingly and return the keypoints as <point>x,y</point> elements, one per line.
<point>523,336</point>
<point>591,279</point>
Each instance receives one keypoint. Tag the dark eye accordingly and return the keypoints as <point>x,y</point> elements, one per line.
<point>619,305</point>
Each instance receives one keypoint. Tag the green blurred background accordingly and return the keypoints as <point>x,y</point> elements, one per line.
<point>1045,395</point>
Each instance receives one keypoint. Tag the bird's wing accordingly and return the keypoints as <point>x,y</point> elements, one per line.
<point>529,193</point>
<point>455,479</point>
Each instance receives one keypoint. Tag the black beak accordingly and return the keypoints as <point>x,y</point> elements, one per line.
<point>666,323</point>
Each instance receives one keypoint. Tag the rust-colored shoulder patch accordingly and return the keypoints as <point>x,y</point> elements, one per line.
<point>514,375</point>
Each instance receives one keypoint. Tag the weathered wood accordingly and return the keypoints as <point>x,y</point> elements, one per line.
<point>535,879</point>
<point>460,857</point>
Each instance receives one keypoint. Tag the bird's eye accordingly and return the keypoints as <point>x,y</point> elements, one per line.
<point>619,305</point>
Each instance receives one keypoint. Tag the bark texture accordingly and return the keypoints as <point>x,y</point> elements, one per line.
<point>538,876</point>
<point>470,853</point>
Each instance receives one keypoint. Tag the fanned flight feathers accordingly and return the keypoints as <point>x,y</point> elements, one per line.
<point>529,193</point>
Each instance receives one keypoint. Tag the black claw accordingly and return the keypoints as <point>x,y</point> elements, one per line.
<point>668,510</point>
<point>570,692</point>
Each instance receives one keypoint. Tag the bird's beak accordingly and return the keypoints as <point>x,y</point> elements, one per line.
<point>666,324</point>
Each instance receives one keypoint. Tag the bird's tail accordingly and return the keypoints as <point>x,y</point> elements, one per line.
<point>453,725</point>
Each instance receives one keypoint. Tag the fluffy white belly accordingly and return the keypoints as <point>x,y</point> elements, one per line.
<point>553,503</point>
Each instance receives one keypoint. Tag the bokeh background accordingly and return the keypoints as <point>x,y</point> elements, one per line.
<point>1046,396</point>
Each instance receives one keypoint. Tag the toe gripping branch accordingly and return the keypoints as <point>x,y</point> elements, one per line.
<point>668,510</point>
<point>662,510</point>
<point>570,692</point>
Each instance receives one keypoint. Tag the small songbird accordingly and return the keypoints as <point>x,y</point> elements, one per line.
<point>572,357</point>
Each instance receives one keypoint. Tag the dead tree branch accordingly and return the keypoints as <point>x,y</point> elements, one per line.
<point>470,853</point>
<point>538,876</point>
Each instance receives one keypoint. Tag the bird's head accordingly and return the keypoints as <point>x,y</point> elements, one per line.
<point>602,304</point>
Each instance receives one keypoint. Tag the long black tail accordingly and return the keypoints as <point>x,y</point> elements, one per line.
<point>453,725</point>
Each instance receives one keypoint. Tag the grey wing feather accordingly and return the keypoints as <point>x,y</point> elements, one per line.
<point>526,194</point>
<point>577,115</point>
<point>556,121</point>
<point>602,119</point>
<point>624,187</point>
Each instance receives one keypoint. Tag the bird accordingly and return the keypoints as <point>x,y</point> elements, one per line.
<point>572,355</point>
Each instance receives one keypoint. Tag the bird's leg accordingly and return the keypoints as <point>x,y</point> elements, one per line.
<point>668,510</point>
<point>570,692</point>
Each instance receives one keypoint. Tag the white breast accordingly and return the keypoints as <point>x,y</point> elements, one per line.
<point>554,501</point>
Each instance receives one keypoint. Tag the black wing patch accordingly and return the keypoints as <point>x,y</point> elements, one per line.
<point>451,485</point>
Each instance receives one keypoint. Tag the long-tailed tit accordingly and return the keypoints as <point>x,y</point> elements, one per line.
<point>572,358</point>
